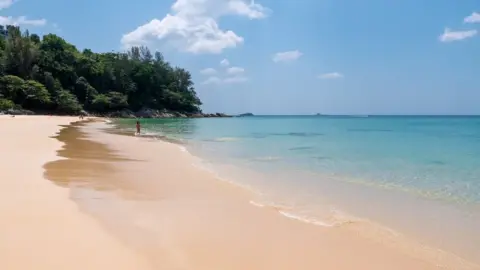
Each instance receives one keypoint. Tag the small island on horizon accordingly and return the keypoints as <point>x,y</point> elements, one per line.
<point>245,115</point>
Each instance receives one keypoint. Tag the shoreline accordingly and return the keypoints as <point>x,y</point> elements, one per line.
<point>145,113</point>
<point>134,203</point>
<point>315,195</point>
<point>329,200</point>
<point>402,237</point>
<point>41,227</point>
<point>221,203</point>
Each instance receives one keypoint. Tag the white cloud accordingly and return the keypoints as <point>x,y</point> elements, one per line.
<point>236,79</point>
<point>227,80</point>
<point>474,18</point>
<point>5,4</point>
<point>286,56</point>
<point>22,20</point>
<point>331,75</point>
<point>235,70</point>
<point>231,74</point>
<point>193,25</point>
<point>224,63</point>
<point>212,80</point>
<point>18,21</point>
<point>208,71</point>
<point>252,10</point>
<point>449,35</point>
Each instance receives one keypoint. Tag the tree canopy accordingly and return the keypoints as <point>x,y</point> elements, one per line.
<point>50,74</point>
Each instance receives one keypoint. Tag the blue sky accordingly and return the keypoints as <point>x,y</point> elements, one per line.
<point>291,57</point>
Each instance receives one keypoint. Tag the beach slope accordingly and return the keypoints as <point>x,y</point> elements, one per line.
<point>186,217</point>
<point>41,228</point>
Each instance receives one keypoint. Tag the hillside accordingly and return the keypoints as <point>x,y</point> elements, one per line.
<point>49,74</point>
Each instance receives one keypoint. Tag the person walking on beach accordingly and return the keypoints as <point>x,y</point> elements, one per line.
<point>138,127</point>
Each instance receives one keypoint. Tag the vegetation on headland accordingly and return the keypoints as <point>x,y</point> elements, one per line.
<point>51,75</point>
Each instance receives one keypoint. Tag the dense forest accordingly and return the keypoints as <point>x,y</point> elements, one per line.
<point>51,75</point>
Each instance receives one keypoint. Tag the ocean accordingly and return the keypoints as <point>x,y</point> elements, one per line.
<point>416,175</point>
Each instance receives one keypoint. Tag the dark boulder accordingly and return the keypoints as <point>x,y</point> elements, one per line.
<point>147,113</point>
<point>19,112</point>
<point>125,113</point>
<point>84,113</point>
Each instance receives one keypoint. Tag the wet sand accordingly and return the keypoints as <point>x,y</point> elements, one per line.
<point>149,195</point>
<point>40,226</point>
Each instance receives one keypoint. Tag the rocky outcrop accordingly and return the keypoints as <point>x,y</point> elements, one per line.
<point>152,113</point>
<point>84,113</point>
<point>209,115</point>
<point>146,113</point>
<point>18,112</point>
<point>125,113</point>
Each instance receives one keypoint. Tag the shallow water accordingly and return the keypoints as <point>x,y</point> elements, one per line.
<point>418,175</point>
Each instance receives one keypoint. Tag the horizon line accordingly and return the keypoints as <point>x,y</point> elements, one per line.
<point>359,115</point>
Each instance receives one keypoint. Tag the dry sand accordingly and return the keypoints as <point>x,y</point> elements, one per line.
<point>40,227</point>
<point>150,197</point>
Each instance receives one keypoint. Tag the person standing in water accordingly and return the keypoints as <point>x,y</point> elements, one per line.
<point>138,127</point>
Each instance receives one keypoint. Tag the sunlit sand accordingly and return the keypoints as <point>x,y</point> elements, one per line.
<point>111,201</point>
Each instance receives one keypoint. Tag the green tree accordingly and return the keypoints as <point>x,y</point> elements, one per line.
<point>53,85</point>
<point>20,53</point>
<point>117,101</point>
<point>35,95</point>
<point>11,87</point>
<point>67,103</point>
<point>59,58</point>
<point>84,91</point>
<point>35,39</point>
<point>50,73</point>
<point>101,103</point>
<point>6,104</point>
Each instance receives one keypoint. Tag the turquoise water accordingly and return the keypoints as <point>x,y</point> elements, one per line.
<point>405,171</point>
<point>436,155</point>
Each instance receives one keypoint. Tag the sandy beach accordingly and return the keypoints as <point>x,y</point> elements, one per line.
<point>41,227</point>
<point>107,201</point>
